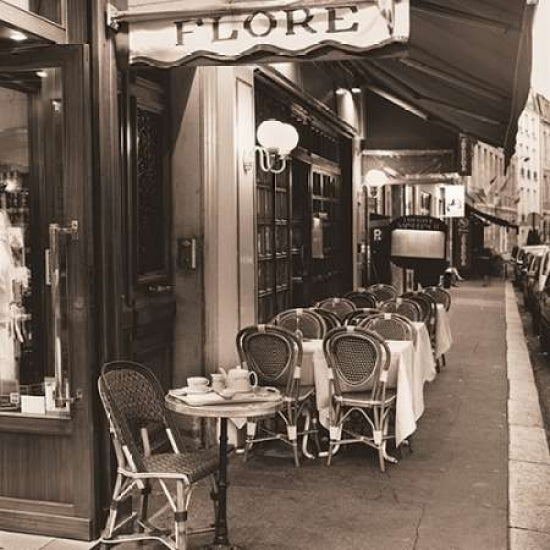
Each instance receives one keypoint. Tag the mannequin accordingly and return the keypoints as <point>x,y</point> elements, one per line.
<point>8,371</point>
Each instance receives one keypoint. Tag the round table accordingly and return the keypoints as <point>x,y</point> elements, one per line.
<point>224,411</point>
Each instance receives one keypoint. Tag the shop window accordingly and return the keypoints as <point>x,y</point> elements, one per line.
<point>52,10</point>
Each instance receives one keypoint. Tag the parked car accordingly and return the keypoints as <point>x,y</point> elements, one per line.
<point>522,260</point>
<point>544,316</point>
<point>532,279</point>
<point>538,288</point>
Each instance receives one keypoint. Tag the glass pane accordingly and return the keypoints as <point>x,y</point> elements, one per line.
<point>31,165</point>
<point>48,9</point>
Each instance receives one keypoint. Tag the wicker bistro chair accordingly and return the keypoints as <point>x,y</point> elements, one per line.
<point>440,295</point>
<point>355,317</point>
<point>390,326</point>
<point>362,299</point>
<point>425,305</point>
<point>134,403</point>
<point>404,306</point>
<point>339,306</point>
<point>331,320</point>
<point>275,355</point>
<point>302,322</point>
<point>358,361</point>
<point>383,292</point>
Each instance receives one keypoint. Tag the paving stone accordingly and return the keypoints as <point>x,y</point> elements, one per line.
<point>522,413</point>
<point>522,539</point>
<point>18,541</point>
<point>524,390</point>
<point>529,496</point>
<point>63,544</point>
<point>528,444</point>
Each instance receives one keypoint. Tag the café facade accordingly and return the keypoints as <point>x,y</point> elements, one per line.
<point>142,217</point>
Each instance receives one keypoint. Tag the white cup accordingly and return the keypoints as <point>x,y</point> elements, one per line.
<point>197,383</point>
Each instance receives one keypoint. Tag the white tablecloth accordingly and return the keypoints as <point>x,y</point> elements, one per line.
<point>443,336</point>
<point>424,367</point>
<point>402,376</point>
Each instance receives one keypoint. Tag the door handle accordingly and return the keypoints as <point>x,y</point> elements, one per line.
<point>159,289</point>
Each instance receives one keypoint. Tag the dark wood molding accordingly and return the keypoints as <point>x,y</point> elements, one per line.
<point>34,424</point>
<point>32,23</point>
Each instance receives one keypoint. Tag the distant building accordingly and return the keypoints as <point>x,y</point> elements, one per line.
<point>543,105</point>
<point>528,169</point>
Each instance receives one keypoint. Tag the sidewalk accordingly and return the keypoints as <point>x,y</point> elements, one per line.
<point>450,493</point>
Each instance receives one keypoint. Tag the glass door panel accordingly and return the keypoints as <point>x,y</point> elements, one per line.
<point>33,259</point>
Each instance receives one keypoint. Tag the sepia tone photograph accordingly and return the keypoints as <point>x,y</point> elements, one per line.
<point>274,274</point>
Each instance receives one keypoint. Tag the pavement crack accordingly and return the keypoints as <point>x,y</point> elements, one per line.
<point>417,533</point>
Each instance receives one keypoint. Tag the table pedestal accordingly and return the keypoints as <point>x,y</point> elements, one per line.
<point>221,540</point>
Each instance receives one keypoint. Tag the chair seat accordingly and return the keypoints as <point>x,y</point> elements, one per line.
<point>195,465</point>
<point>363,399</point>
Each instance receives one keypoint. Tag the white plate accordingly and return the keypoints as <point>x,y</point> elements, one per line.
<point>188,391</point>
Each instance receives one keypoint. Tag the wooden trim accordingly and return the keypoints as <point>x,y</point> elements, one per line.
<point>317,161</point>
<point>32,23</point>
<point>34,506</point>
<point>41,522</point>
<point>34,424</point>
<point>268,75</point>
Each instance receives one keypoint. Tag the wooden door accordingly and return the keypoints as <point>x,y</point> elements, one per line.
<point>47,478</point>
<point>149,306</point>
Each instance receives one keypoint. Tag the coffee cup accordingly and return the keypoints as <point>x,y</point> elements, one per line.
<point>218,382</point>
<point>197,383</point>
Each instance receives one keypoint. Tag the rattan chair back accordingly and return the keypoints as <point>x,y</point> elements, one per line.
<point>331,320</point>
<point>424,303</point>
<point>391,326</point>
<point>362,299</point>
<point>302,322</point>
<point>404,306</point>
<point>339,306</point>
<point>356,317</point>
<point>272,352</point>
<point>383,292</point>
<point>134,400</point>
<point>355,357</point>
<point>440,295</point>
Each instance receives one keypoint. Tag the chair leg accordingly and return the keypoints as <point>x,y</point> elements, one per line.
<point>292,434</point>
<point>143,506</point>
<point>444,360</point>
<point>180,516</point>
<point>251,428</point>
<point>113,510</point>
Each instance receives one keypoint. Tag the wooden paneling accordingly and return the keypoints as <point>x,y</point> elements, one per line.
<point>35,467</point>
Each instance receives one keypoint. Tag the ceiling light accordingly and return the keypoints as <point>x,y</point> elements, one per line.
<point>18,36</point>
<point>341,91</point>
<point>356,90</point>
<point>41,74</point>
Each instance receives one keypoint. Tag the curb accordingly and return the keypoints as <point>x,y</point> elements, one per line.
<point>528,456</point>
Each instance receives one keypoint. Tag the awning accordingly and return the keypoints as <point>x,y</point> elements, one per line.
<point>167,33</point>
<point>467,64</point>
<point>463,63</point>
<point>484,216</point>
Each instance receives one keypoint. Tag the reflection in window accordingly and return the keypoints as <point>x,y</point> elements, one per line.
<point>48,9</point>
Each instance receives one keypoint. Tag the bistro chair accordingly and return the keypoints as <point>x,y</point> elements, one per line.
<point>391,326</point>
<point>383,292</point>
<point>356,317</point>
<point>425,305</point>
<point>302,322</point>
<point>331,320</point>
<point>362,298</point>
<point>408,308</point>
<point>358,361</point>
<point>440,295</point>
<point>275,355</point>
<point>134,403</point>
<point>339,306</point>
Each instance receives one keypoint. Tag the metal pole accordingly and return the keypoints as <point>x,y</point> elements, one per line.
<point>367,232</point>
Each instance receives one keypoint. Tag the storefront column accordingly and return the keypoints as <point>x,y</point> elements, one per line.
<point>227,106</point>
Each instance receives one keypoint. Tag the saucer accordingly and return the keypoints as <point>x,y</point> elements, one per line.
<point>198,392</point>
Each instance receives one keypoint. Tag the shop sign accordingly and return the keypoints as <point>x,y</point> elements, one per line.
<point>253,34</point>
<point>454,201</point>
<point>465,154</point>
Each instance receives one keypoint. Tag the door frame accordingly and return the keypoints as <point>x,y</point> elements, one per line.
<point>75,519</point>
